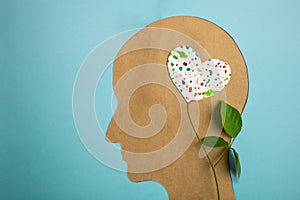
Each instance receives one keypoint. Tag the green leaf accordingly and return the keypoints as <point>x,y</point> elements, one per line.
<point>213,141</point>
<point>232,163</point>
<point>231,119</point>
<point>237,163</point>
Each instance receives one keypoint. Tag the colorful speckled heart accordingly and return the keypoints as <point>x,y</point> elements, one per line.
<point>194,79</point>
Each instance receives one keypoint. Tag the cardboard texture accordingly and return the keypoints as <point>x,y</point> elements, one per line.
<point>151,119</point>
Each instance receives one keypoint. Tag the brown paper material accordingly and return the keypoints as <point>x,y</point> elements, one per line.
<point>151,119</point>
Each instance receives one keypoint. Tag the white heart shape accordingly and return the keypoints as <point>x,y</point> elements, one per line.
<point>194,79</point>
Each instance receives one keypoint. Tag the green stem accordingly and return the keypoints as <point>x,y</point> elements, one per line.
<point>221,157</point>
<point>232,141</point>
<point>223,153</point>
<point>206,154</point>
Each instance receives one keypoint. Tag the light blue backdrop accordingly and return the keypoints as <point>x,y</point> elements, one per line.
<point>43,44</point>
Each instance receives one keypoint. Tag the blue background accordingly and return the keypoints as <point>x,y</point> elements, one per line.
<point>43,44</point>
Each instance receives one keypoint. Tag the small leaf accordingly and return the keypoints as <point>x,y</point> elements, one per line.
<point>237,163</point>
<point>232,163</point>
<point>231,119</point>
<point>213,141</point>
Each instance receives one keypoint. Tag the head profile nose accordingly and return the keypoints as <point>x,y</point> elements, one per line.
<point>113,132</point>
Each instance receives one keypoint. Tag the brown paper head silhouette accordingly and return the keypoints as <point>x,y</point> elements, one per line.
<point>151,119</point>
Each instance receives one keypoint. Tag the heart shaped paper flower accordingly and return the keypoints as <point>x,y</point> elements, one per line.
<point>194,79</point>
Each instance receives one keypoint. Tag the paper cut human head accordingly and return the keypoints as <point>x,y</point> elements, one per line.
<point>151,123</point>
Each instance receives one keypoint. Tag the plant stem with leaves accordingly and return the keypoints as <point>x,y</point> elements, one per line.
<point>232,124</point>
<point>206,154</point>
